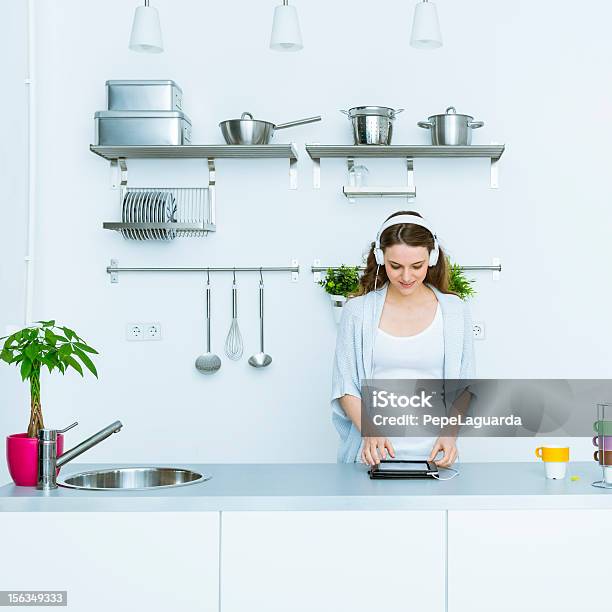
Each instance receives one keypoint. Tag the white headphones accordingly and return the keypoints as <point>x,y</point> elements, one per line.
<point>398,220</point>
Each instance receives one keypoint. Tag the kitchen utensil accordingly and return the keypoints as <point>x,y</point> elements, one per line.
<point>261,359</point>
<point>552,453</point>
<point>139,95</point>
<point>604,457</point>
<point>603,442</point>
<point>176,211</point>
<point>372,125</point>
<point>358,176</point>
<point>451,128</point>
<point>603,427</point>
<point>555,470</point>
<point>233,342</point>
<point>249,131</point>
<point>208,363</point>
<point>142,128</point>
<point>555,460</point>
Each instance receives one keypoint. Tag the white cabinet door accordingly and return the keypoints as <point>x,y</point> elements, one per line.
<point>120,561</point>
<point>529,560</point>
<point>353,561</point>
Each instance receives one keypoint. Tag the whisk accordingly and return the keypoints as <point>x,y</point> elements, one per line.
<point>233,342</point>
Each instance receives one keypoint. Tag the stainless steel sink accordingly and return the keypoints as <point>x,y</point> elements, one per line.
<point>132,479</point>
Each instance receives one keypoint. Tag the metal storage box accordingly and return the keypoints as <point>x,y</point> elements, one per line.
<point>143,95</point>
<point>142,128</point>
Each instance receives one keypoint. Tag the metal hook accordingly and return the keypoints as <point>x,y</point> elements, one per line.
<point>260,277</point>
<point>208,276</point>
<point>234,275</point>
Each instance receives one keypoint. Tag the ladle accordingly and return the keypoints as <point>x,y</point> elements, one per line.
<point>261,359</point>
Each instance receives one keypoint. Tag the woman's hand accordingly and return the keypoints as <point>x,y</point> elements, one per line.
<point>448,445</point>
<point>375,449</point>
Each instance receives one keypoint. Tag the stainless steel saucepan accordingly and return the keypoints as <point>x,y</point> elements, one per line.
<point>451,128</point>
<point>249,131</point>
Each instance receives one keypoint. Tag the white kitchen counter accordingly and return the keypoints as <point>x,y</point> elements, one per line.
<point>328,486</point>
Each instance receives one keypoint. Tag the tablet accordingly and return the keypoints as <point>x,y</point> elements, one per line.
<point>389,468</point>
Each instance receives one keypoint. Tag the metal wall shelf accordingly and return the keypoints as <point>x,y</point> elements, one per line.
<point>196,151</point>
<point>318,151</point>
<point>118,156</point>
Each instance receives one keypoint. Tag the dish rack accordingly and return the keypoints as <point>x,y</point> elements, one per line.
<point>165,213</point>
<point>602,441</point>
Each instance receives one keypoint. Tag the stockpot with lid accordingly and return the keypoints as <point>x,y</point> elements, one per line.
<point>451,128</point>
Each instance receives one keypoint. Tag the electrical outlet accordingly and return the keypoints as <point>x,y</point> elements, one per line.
<point>138,332</point>
<point>478,329</point>
<point>152,331</point>
<point>134,332</point>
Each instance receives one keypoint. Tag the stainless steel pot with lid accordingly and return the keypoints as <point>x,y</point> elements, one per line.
<point>372,125</point>
<point>451,128</point>
<point>249,131</point>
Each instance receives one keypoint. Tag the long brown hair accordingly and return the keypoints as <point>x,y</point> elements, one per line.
<point>411,235</point>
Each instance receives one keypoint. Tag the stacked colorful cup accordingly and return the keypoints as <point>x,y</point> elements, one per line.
<point>603,442</point>
<point>555,460</point>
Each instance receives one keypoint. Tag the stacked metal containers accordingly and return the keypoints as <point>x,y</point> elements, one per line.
<point>143,112</point>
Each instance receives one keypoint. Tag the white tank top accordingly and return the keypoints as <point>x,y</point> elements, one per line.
<point>410,357</point>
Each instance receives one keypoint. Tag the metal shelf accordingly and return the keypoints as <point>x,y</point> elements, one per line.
<point>317,151</point>
<point>118,156</point>
<point>196,151</point>
<point>409,152</point>
<point>185,227</point>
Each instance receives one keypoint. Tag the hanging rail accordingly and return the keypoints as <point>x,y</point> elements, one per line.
<point>317,268</point>
<point>114,269</point>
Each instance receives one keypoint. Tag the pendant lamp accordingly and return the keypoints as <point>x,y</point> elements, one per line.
<point>426,27</point>
<point>286,34</point>
<point>146,34</point>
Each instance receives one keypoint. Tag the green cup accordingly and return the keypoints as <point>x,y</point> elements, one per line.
<point>603,428</point>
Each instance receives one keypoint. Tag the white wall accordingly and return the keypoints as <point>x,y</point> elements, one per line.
<point>531,71</point>
<point>13,167</point>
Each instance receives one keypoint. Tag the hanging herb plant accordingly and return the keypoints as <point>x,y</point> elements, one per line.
<point>457,281</point>
<point>341,281</point>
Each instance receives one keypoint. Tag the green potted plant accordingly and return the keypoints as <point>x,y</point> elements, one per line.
<point>457,281</point>
<point>32,348</point>
<point>339,283</point>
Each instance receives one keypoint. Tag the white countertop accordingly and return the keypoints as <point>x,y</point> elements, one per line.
<point>327,486</point>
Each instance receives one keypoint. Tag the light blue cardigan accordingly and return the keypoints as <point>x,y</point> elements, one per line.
<point>353,358</point>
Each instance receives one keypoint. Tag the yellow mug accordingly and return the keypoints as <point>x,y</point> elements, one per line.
<point>552,453</point>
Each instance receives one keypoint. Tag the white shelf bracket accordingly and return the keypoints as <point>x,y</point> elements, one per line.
<point>316,172</point>
<point>411,183</point>
<point>316,276</point>
<point>293,177</point>
<point>119,176</point>
<point>495,173</point>
<point>350,165</point>
<point>295,276</point>
<point>212,182</point>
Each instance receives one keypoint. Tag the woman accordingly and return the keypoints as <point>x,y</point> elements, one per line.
<point>404,323</point>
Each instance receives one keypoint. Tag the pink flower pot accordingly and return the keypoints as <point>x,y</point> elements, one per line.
<point>22,458</point>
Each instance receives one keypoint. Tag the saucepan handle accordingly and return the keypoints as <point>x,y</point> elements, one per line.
<point>475,124</point>
<point>282,126</point>
<point>425,124</point>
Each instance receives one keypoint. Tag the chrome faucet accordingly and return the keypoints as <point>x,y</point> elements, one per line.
<point>48,461</point>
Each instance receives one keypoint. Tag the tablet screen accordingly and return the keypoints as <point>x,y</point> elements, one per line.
<point>416,466</point>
